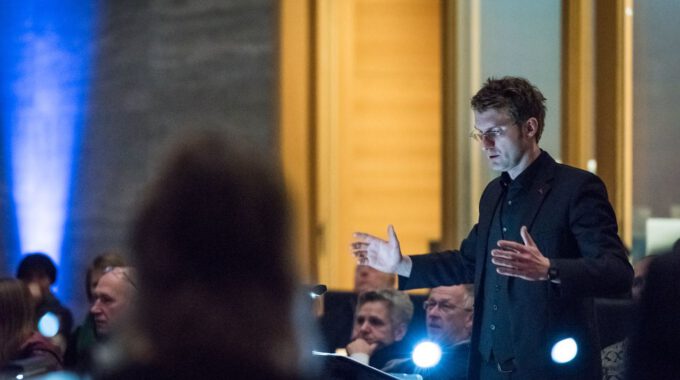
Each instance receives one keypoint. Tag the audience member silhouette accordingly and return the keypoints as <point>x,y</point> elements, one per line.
<point>85,336</point>
<point>653,350</point>
<point>38,272</point>
<point>19,339</point>
<point>216,280</point>
<point>617,320</point>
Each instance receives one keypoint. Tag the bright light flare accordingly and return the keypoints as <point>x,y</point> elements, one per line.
<point>48,325</point>
<point>564,351</point>
<point>427,354</point>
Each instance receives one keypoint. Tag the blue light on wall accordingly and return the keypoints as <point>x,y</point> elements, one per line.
<point>45,77</point>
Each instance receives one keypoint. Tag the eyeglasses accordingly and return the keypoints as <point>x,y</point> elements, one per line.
<point>491,134</point>
<point>121,271</point>
<point>444,306</point>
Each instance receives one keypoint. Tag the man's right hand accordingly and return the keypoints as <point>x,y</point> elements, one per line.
<point>360,346</point>
<point>382,255</point>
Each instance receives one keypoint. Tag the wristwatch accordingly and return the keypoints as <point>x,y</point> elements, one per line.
<point>553,273</point>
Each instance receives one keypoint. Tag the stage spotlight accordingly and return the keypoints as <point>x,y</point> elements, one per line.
<point>48,325</point>
<point>427,354</point>
<point>564,351</point>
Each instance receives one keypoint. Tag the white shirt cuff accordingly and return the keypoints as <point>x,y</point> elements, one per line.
<point>404,267</point>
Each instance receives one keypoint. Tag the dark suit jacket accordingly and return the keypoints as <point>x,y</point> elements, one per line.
<point>573,224</point>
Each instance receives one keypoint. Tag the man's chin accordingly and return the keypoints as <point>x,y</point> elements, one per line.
<point>497,166</point>
<point>102,329</point>
<point>434,335</point>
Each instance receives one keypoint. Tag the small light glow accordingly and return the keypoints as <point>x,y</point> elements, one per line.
<point>592,166</point>
<point>61,375</point>
<point>629,11</point>
<point>564,351</point>
<point>20,376</point>
<point>48,325</point>
<point>427,354</point>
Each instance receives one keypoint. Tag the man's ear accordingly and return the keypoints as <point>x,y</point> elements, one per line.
<point>468,321</point>
<point>531,126</point>
<point>400,332</point>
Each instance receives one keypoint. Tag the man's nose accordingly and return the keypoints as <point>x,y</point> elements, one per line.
<point>365,326</point>
<point>434,313</point>
<point>95,308</point>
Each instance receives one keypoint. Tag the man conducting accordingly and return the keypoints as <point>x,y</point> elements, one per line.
<point>545,244</point>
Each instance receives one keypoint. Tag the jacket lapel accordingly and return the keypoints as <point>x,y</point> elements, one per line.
<point>540,188</point>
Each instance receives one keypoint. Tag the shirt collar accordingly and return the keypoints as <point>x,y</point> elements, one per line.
<point>526,178</point>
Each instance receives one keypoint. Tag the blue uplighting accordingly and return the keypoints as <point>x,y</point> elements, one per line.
<point>47,48</point>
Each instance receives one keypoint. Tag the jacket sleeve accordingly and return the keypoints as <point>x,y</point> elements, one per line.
<point>601,267</point>
<point>443,268</point>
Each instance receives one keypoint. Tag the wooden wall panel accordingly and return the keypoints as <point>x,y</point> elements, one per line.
<point>379,126</point>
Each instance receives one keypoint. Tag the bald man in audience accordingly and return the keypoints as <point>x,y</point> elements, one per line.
<point>112,299</point>
<point>367,279</point>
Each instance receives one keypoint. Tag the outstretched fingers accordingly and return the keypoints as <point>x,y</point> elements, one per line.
<point>361,246</point>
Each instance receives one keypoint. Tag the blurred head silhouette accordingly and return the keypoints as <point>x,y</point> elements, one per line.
<point>215,274</point>
<point>16,317</point>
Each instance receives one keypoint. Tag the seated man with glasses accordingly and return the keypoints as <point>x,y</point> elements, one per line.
<point>449,324</point>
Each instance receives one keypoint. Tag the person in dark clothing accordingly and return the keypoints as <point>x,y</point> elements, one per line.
<point>546,244</point>
<point>380,322</point>
<point>216,277</point>
<point>85,337</point>
<point>337,319</point>
<point>38,272</point>
<point>653,349</point>
<point>19,339</point>
<point>449,325</point>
